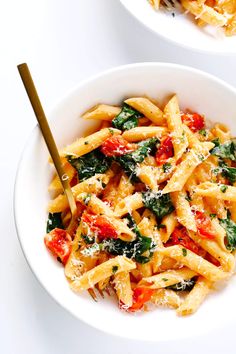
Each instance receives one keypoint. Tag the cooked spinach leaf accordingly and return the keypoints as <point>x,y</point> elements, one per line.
<point>127,118</point>
<point>226,171</point>
<point>90,164</point>
<point>54,221</point>
<point>226,150</point>
<point>230,228</point>
<point>159,204</point>
<point>129,161</point>
<point>134,249</point>
<point>185,285</point>
<point>216,141</point>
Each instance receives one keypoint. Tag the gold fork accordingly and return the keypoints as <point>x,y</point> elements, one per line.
<point>51,145</point>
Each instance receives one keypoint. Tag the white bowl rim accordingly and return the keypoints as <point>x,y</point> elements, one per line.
<point>32,136</point>
<point>170,40</point>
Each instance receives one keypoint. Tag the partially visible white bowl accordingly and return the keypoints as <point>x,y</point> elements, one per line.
<point>181,29</point>
<point>197,91</point>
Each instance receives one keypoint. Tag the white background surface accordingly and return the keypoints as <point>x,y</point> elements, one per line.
<point>64,42</point>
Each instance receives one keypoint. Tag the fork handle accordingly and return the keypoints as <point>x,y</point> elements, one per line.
<point>47,134</point>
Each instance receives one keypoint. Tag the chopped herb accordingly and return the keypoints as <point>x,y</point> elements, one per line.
<point>212,216</point>
<point>223,188</point>
<point>166,167</point>
<point>134,249</point>
<point>184,251</point>
<point>103,185</point>
<point>185,285</point>
<point>230,228</point>
<point>226,150</point>
<point>111,131</point>
<point>114,269</point>
<point>54,221</point>
<point>127,118</point>
<point>87,239</point>
<point>86,143</point>
<point>201,157</point>
<point>183,138</point>
<point>165,279</point>
<point>159,204</point>
<point>129,161</point>
<point>90,164</point>
<point>203,132</point>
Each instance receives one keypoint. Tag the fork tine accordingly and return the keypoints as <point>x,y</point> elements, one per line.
<point>92,294</point>
<point>100,291</point>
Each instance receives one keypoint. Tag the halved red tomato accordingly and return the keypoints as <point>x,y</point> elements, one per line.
<point>116,146</point>
<point>180,237</point>
<point>165,150</point>
<point>141,295</point>
<point>58,242</point>
<point>194,121</point>
<point>100,225</point>
<point>204,225</point>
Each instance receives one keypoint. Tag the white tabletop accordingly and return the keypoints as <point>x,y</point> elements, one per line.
<point>65,42</point>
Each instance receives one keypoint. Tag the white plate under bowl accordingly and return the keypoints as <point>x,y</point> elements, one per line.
<point>181,29</point>
<point>197,91</point>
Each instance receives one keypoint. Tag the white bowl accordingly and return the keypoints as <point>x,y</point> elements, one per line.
<point>181,29</point>
<point>197,91</point>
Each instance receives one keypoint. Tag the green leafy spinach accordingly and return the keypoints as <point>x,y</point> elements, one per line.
<point>54,221</point>
<point>134,249</point>
<point>90,164</point>
<point>185,285</point>
<point>230,228</point>
<point>160,204</point>
<point>129,161</point>
<point>127,118</point>
<point>226,150</point>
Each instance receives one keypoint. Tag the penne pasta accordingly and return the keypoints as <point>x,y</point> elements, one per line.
<point>142,133</point>
<point>195,262</point>
<point>90,185</point>
<point>179,139</point>
<point>102,271</point>
<point>183,171</point>
<point>168,278</point>
<point>195,297</point>
<point>123,288</point>
<point>102,112</point>
<point>147,108</point>
<point>214,190</point>
<point>183,210</point>
<point>85,145</point>
<point>166,298</point>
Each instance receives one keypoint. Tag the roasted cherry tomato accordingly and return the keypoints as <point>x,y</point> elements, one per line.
<point>180,237</point>
<point>165,150</point>
<point>116,146</point>
<point>194,121</point>
<point>99,224</point>
<point>141,295</point>
<point>58,241</point>
<point>204,225</point>
<point>212,260</point>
